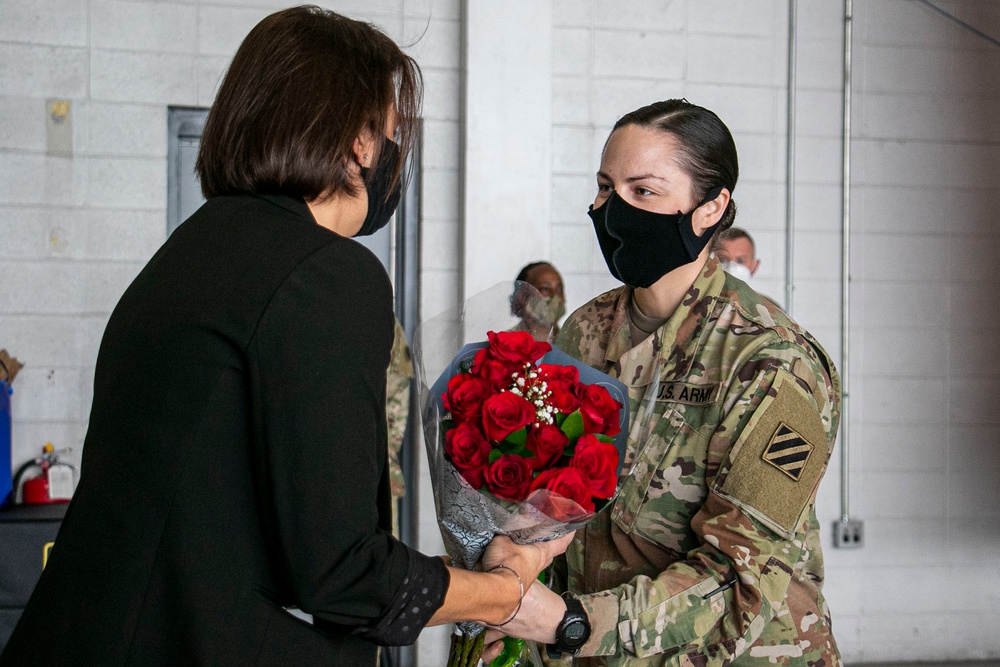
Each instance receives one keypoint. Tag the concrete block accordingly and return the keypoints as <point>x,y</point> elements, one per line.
<point>634,53</point>
<point>906,542</point>
<point>818,161</point>
<point>760,205</point>
<point>816,303</point>
<point>658,15</point>
<point>904,304</point>
<point>571,101</point>
<point>614,97</point>
<point>571,150</point>
<point>572,51</point>
<point>144,26</point>
<point>818,207</point>
<point>50,393</point>
<point>571,197</point>
<point>745,109</point>
<point>23,126</point>
<point>122,235</point>
<point>439,245</point>
<point>906,209</point>
<point>759,18</point>
<point>965,344</point>
<point>900,447</point>
<point>154,78</point>
<point>435,9</point>
<point>434,43</point>
<point>27,70</point>
<point>440,144</point>
<point>906,257</point>
<point>57,22</point>
<point>572,14</point>
<point>571,248</point>
<point>137,130</point>
<point>29,436</point>
<point>439,292</point>
<point>221,30</point>
<point>30,179</point>
<point>818,113</point>
<point>883,633</point>
<point>972,401</point>
<point>762,157</point>
<point>133,183</point>
<point>440,195</point>
<point>211,70</point>
<point>442,94</point>
<point>898,351</point>
<point>820,64</point>
<point>746,61</point>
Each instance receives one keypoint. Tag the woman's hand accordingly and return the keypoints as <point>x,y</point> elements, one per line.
<point>526,559</point>
<point>540,614</point>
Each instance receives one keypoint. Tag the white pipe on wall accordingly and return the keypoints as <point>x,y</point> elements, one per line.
<point>845,278</point>
<point>790,159</point>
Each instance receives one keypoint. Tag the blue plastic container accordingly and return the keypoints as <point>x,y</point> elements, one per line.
<point>6,391</point>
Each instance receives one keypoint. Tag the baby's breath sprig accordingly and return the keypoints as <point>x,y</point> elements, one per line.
<point>530,385</point>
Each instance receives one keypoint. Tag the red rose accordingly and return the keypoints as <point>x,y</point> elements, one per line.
<point>599,410</point>
<point>509,477</point>
<point>496,372</point>
<point>568,483</point>
<point>465,396</point>
<point>564,396</point>
<point>469,452</point>
<point>516,347</point>
<point>505,413</point>
<point>547,443</point>
<point>557,372</point>
<point>598,461</point>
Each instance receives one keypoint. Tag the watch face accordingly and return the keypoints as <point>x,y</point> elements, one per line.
<point>576,631</point>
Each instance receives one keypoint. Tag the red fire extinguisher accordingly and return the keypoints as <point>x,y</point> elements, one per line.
<point>55,484</point>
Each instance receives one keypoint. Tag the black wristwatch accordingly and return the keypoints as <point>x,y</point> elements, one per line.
<point>573,631</point>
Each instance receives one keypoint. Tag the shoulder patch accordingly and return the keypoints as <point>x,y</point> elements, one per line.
<point>775,466</point>
<point>788,451</point>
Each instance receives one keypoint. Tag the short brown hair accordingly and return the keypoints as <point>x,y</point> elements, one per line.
<point>302,86</point>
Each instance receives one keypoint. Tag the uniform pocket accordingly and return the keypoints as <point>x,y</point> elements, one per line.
<point>667,483</point>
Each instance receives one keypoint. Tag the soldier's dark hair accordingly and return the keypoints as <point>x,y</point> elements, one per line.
<point>523,275</point>
<point>302,86</point>
<point>707,150</point>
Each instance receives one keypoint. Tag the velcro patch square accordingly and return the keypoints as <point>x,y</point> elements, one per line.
<point>787,451</point>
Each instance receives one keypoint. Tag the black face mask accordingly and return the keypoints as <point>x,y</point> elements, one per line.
<point>639,246</point>
<point>382,202</point>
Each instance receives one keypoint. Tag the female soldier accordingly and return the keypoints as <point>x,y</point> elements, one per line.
<point>711,553</point>
<point>235,462</point>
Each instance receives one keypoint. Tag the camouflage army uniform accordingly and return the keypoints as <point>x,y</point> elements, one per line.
<point>734,414</point>
<point>397,408</point>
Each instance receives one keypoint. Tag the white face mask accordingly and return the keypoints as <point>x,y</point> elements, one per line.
<point>737,271</point>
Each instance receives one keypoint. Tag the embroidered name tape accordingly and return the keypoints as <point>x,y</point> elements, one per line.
<point>687,393</point>
<point>787,451</point>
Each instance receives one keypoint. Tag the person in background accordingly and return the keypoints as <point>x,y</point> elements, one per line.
<point>235,463</point>
<point>397,410</point>
<point>710,554</point>
<point>736,251</point>
<point>540,318</point>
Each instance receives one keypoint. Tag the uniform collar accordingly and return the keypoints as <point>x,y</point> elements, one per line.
<point>673,345</point>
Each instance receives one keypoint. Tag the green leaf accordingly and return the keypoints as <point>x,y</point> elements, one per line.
<point>518,437</point>
<point>495,454</point>
<point>560,418</point>
<point>573,426</point>
<point>604,438</point>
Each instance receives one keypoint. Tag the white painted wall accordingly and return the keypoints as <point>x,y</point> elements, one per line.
<point>925,425</point>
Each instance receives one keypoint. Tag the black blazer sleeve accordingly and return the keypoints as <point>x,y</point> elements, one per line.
<point>318,364</point>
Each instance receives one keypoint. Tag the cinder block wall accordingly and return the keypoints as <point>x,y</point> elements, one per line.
<point>924,429</point>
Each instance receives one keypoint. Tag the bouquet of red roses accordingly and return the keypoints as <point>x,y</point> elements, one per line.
<point>522,439</point>
<point>527,432</point>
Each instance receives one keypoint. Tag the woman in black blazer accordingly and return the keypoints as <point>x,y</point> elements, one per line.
<point>235,462</point>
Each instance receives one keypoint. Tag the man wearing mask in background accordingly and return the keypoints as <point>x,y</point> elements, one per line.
<point>539,317</point>
<point>736,251</point>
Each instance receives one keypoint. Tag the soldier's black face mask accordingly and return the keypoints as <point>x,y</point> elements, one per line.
<point>640,246</point>
<point>382,201</point>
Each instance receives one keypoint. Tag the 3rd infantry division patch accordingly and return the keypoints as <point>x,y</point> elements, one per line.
<point>787,451</point>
